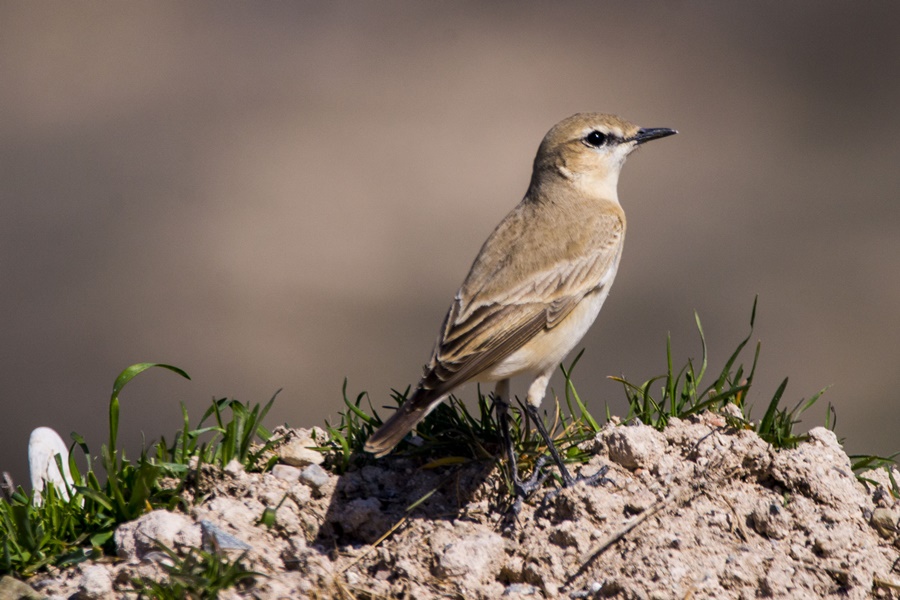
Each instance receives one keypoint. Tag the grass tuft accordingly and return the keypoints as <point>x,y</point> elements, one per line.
<point>346,440</point>
<point>65,529</point>
<point>236,435</point>
<point>198,575</point>
<point>454,434</point>
<point>861,463</point>
<point>682,394</point>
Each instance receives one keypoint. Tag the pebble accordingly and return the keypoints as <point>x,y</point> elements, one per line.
<point>286,473</point>
<point>315,476</point>
<point>95,583</point>
<point>13,589</point>
<point>297,453</point>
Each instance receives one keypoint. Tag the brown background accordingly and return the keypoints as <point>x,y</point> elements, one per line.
<point>286,194</point>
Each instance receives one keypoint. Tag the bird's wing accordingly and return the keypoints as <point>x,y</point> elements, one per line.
<point>488,320</point>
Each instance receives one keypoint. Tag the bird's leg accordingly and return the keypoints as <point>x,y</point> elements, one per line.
<point>502,404</point>
<point>522,488</point>
<point>535,395</point>
<point>568,480</point>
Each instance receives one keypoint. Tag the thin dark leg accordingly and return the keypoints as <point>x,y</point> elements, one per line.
<point>568,480</point>
<point>522,488</point>
<point>503,418</point>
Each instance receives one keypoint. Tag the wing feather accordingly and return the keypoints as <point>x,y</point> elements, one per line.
<point>478,335</point>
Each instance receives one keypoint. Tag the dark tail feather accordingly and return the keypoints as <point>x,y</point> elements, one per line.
<point>401,422</point>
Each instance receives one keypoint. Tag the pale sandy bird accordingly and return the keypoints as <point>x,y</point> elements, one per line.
<point>538,282</point>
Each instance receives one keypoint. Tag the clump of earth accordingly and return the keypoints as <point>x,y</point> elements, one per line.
<point>700,510</point>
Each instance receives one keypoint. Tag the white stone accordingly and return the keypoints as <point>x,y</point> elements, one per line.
<point>286,473</point>
<point>43,447</point>
<point>315,476</point>
<point>136,538</point>
<point>95,584</point>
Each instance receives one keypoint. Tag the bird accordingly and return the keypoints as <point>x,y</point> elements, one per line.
<point>536,285</point>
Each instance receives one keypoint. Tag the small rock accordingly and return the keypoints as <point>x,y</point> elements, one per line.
<point>160,558</point>
<point>471,557</point>
<point>358,512</point>
<point>271,498</point>
<point>511,570</point>
<point>885,522</point>
<point>286,473</point>
<point>300,495</point>
<point>832,542</point>
<point>216,539</point>
<point>714,420</point>
<point>825,437</point>
<point>570,534</point>
<point>95,584</point>
<point>136,538</point>
<point>43,447</point>
<point>639,502</point>
<point>13,589</point>
<point>234,467</point>
<point>353,578</point>
<point>634,447</point>
<point>298,452</point>
<point>770,520</point>
<point>315,476</point>
<point>521,589</point>
<point>779,581</point>
<point>817,469</point>
<point>732,410</point>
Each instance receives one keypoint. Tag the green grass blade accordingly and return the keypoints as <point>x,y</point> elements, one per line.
<point>703,350</point>
<point>121,381</point>
<point>766,426</point>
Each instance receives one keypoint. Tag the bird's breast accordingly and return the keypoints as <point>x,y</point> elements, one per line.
<point>547,349</point>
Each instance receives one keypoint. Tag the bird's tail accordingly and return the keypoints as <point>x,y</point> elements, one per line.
<point>402,422</point>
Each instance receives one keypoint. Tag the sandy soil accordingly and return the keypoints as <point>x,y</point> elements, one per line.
<point>698,511</point>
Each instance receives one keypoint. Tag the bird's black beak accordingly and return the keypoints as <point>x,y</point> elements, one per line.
<point>645,135</point>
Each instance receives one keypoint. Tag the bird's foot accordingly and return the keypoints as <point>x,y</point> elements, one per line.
<point>598,478</point>
<point>525,488</point>
<point>522,489</point>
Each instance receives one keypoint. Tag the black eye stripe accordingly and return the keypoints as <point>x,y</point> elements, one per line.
<point>596,138</point>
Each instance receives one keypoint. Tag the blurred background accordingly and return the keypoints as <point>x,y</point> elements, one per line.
<point>282,195</point>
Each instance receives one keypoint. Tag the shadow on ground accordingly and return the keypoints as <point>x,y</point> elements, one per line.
<point>376,499</point>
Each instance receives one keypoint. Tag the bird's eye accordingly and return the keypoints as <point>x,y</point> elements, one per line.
<point>596,138</point>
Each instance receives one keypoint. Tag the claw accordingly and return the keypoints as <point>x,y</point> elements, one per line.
<point>598,478</point>
<point>525,488</point>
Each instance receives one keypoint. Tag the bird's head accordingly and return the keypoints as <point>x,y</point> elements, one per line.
<point>588,150</point>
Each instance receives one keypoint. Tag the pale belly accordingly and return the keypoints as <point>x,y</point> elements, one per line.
<point>544,353</point>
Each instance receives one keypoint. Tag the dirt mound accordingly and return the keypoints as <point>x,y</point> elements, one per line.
<point>698,511</point>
